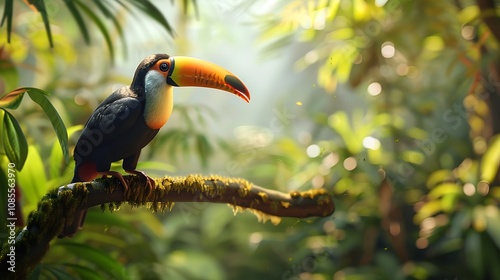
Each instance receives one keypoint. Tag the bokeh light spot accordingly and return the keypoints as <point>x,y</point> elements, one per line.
<point>313,151</point>
<point>374,89</point>
<point>350,163</point>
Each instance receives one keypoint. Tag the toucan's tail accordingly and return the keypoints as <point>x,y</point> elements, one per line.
<point>72,225</point>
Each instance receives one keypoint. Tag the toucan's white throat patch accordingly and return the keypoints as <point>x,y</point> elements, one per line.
<point>159,100</point>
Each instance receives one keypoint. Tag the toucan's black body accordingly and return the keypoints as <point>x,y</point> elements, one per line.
<point>116,130</point>
<point>130,118</point>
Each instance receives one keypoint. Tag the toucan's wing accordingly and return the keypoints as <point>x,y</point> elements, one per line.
<point>114,116</point>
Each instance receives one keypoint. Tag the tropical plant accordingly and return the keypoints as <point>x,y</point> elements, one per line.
<point>395,112</point>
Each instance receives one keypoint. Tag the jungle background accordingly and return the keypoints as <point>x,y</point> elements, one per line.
<point>388,104</point>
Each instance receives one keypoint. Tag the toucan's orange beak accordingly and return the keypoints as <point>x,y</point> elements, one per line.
<point>187,71</point>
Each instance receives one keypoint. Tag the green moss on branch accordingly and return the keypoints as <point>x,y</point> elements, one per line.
<point>32,243</point>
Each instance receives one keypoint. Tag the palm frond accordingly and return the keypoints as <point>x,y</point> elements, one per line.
<point>7,15</point>
<point>96,12</point>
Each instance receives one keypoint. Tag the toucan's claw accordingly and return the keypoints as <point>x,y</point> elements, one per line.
<point>148,181</point>
<point>120,178</point>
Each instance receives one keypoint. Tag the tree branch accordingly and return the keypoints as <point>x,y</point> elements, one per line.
<point>44,224</point>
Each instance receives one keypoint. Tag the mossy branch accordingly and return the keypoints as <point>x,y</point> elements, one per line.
<point>44,224</point>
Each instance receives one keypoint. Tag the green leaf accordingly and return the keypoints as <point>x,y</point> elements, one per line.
<point>96,257</point>
<point>83,272</point>
<point>149,9</point>
<point>39,97</point>
<point>469,14</point>
<point>473,251</point>
<point>491,160</point>
<point>33,179</point>
<point>106,11</point>
<point>447,246</point>
<point>57,272</point>
<point>437,177</point>
<point>445,189</point>
<point>101,27</point>
<point>492,215</point>
<point>79,19</point>
<point>204,149</point>
<point>40,6</point>
<point>429,209</point>
<point>57,163</point>
<point>7,15</point>
<point>13,99</point>
<point>14,141</point>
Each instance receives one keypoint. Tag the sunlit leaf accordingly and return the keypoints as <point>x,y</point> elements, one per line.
<point>468,14</point>
<point>14,141</point>
<point>13,99</point>
<point>340,123</point>
<point>438,177</point>
<point>445,189</point>
<point>414,157</point>
<point>492,215</point>
<point>33,180</point>
<point>341,34</point>
<point>490,162</point>
<point>332,8</point>
<point>40,7</point>
<point>479,218</point>
<point>428,210</point>
<point>449,202</point>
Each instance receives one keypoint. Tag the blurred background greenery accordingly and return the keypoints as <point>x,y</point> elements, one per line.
<point>391,105</point>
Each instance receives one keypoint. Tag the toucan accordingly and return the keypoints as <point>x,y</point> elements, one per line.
<point>130,118</point>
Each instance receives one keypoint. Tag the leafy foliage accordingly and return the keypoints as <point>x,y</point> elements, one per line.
<point>15,144</point>
<point>435,198</point>
<point>398,126</point>
<point>90,11</point>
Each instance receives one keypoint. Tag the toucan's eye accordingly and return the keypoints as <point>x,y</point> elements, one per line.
<point>164,67</point>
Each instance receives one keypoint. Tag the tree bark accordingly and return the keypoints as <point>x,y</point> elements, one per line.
<point>44,224</point>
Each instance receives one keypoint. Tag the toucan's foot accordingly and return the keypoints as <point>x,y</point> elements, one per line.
<point>148,181</point>
<point>120,178</point>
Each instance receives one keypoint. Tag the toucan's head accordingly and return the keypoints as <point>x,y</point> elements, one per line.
<point>181,71</point>
<point>157,74</point>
